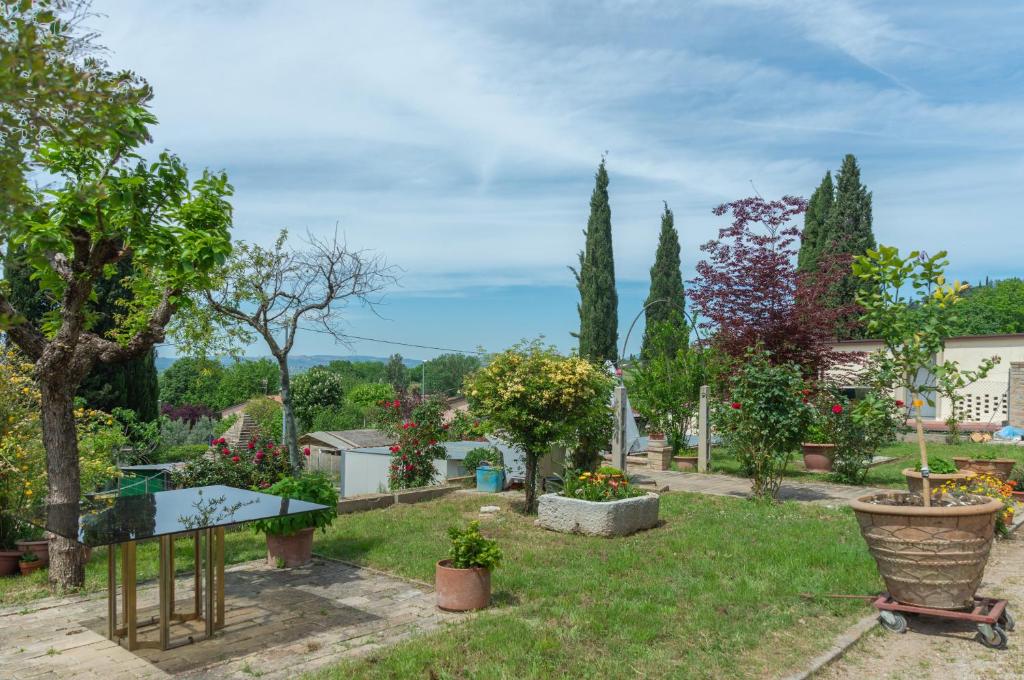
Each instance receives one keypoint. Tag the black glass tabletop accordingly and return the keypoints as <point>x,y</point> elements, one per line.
<point>118,519</point>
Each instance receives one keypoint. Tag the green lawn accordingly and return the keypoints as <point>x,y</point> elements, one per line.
<point>887,475</point>
<point>713,592</point>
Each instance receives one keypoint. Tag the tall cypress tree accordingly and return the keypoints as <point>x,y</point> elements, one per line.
<point>666,300</point>
<point>848,232</point>
<point>595,279</point>
<point>815,221</point>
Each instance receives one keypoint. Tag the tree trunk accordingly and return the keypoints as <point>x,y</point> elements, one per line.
<point>531,482</point>
<point>67,557</point>
<point>291,437</point>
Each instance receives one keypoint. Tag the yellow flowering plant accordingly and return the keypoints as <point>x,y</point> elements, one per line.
<point>22,457</point>
<point>607,484</point>
<point>989,487</point>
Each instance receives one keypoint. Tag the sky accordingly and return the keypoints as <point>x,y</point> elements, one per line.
<point>460,139</point>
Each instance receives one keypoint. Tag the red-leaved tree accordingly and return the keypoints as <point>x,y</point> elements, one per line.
<point>748,290</point>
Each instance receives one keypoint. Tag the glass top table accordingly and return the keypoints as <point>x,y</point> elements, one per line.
<point>118,519</point>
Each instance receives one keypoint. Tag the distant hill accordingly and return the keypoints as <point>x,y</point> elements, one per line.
<point>301,362</point>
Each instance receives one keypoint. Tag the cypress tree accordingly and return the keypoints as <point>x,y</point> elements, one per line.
<point>595,279</point>
<point>815,220</point>
<point>666,285</point>
<point>848,232</point>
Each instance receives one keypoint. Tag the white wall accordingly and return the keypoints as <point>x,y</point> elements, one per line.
<point>364,473</point>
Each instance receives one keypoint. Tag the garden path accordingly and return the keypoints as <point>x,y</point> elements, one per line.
<point>939,650</point>
<point>726,485</point>
<point>280,624</point>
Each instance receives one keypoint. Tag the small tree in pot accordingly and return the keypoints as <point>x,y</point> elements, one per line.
<point>463,580</point>
<point>290,538</point>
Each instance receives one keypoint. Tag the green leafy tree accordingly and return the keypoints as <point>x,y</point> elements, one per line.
<point>191,380</point>
<point>105,203</point>
<point>368,396</point>
<point>815,220</point>
<point>268,292</point>
<point>357,372</point>
<point>534,398</point>
<point>315,390</point>
<point>666,301</point>
<point>595,279</point>
<point>992,309</point>
<point>241,380</point>
<point>444,374</point>
<point>909,306</point>
<point>396,373</point>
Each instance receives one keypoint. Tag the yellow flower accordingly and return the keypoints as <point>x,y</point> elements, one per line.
<point>28,492</point>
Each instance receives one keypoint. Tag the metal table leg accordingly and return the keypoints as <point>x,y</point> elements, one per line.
<point>112,591</point>
<point>128,593</point>
<point>219,534</point>
<point>208,611</point>
<point>166,587</point>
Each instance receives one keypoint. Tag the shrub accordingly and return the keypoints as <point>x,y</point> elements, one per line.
<point>419,437</point>
<point>336,418</point>
<point>182,433</point>
<point>939,466</point>
<point>607,484</point>
<point>465,426</point>
<point>181,453</point>
<point>316,389</point>
<point>765,420</point>
<point>480,455</point>
<point>471,549</point>
<point>188,413</point>
<point>224,424</point>
<point>314,487</point>
<point>366,396</point>
<point>256,464</point>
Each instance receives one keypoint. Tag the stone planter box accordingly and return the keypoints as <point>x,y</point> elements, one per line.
<point>611,518</point>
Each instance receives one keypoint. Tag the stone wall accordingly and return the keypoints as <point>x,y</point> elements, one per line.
<point>1016,405</point>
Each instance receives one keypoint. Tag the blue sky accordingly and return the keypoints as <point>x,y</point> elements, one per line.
<point>460,138</point>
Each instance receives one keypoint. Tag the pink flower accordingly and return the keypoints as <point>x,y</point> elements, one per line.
<point>837,409</point>
<point>235,459</point>
<point>306,450</point>
<point>252,446</point>
<point>737,405</point>
<point>259,456</point>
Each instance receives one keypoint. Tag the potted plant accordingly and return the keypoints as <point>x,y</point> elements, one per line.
<point>930,551</point>
<point>817,449</point>
<point>38,545</point>
<point>463,581</point>
<point>29,562</point>
<point>290,538</point>
<point>989,487</point>
<point>987,463</point>
<point>602,503</point>
<point>941,470</point>
<point>1017,481</point>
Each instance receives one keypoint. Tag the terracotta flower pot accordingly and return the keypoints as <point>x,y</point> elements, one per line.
<point>915,485</point>
<point>9,562</point>
<point>1018,496</point>
<point>28,567</point>
<point>462,590</point>
<point>818,457</point>
<point>41,549</point>
<point>685,462</point>
<point>656,436</point>
<point>999,468</point>
<point>934,556</point>
<point>1008,517</point>
<point>292,550</point>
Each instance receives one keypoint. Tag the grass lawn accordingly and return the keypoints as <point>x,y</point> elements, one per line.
<point>887,475</point>
<point>713,592</point>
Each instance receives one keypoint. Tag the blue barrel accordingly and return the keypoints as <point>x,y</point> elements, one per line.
<point>490,480</point>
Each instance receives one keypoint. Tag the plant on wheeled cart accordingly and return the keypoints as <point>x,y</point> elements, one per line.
<point>930,548</point>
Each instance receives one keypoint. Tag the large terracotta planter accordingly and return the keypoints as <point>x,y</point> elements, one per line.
<point>999,468</point>
<point>28,567</point>
<point>40,548</point>
<point>462,590</point>
<point>818,457</point>
<point>9,562</point>
<point>685,462</point>
<point>915,485</point>
<point>290,550</point>
<point>933,557</point>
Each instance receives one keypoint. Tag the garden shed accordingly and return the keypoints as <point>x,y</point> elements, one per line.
<point>364,470</point>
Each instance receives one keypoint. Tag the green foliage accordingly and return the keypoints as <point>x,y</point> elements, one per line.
<point>939,465</point>
<point>396,373</point>
<point>665,388</point>
<point>534,397</point>
<point>333,419</point>
<point>666,300</point>
<point>595,279</point>
<point>812,239</point>
<point>419,442</point>
<point>224,424</point>
<point>471,549</point>
<point>466,426</point>
<point>482,455</point>
<point>444,374</point>
<point>765,419</point>
<point>180,433</point>
<point>607,484</point>
<point>192,381</point>
<point>256,464</point>
<point>181,453</point>
<point>313,487</point>
<point>315,390</point>
<point>367,396</point>
<point>991,309</point>
<point>267,414</point>
<point>242,380</point>
<point>358,372</point>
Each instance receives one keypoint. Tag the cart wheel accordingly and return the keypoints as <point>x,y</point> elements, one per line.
<point>893,621</point>
<point>992,636</point>
<point>1007,622</point>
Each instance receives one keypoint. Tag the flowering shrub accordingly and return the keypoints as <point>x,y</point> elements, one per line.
<point>988,486</point>
<point>766,419</point>
<point>607,484</point>
<point>188,413</point>
<point>22,458</point>
<point>419,437</point>
<point>256,464</point>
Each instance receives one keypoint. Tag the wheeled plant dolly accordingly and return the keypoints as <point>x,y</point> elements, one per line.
<point>993,618</point>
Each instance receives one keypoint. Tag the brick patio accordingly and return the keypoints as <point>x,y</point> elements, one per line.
<point>279,623</point>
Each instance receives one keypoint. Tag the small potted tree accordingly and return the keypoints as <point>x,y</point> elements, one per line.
<point>941,470</point>
<point>463,581</point>
<point>290,538</point>
<point>29,562</point>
